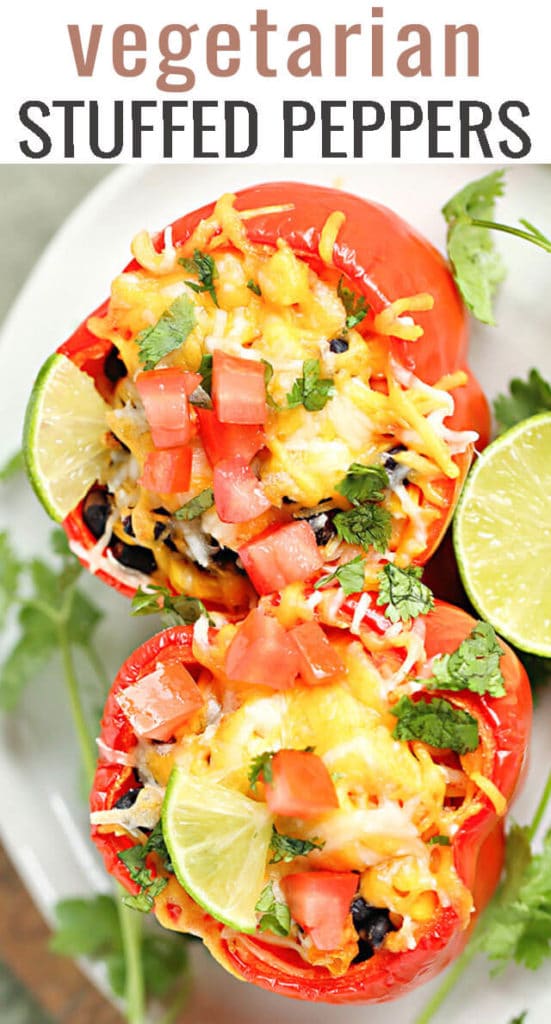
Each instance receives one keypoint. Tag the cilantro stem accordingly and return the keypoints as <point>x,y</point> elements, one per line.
<point>540,809</point>
<point>449,982</point>
<point>131,934</point>
<point>87,749</point>
<point>529,236</point>
<point>96,663</point>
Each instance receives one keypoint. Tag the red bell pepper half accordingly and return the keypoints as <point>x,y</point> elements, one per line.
<point>384,259</point>
<point>477,846</point>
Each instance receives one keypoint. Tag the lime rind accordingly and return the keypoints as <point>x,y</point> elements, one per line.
<point>218,841</point>
<point>63,435</point>
<point>502,535</point>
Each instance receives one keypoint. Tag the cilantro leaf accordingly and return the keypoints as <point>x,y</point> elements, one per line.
<point>363,483</point>
<point>276,916</point>
<point>204,267</point>
<point>439,840</point>
<point>311,390</point>
<point>176,609</point>
<point>135,861</point>
<point>403,593</point>
<point>84,927</point>
<point>525,398</point>
<point>12,467</point>
<point>473,666</point>
<point>285,848</point>
<point>254,287</point>
<point>10,570</point>
<point>351,576</point>
<point>437,723</point>
<point>170,331</point>
<point>356,306</point>
<point>261,765</point>
<point>367,525</point>
<point>201,396</point>
<point>196,506</point>
<point>477,267</point>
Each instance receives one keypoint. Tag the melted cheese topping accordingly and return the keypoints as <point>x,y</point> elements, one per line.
<point>376,404</point>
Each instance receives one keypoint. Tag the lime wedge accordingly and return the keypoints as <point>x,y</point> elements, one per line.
<point>218,840</point>
<point>64,434</point>
<point>502,535</point>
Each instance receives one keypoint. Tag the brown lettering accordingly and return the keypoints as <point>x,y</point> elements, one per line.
<point>261,27</point>
<point>342,34</point>
<point>311,51</point>
<point>422,50</point>
<point>121,47</point>
<point>377,36</point>
<point>170,55</point>
<point>451,33</point>
<point>215,47</point>
<point>85,64</point>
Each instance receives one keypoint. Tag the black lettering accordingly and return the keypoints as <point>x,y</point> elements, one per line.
<point>397,108</point>
<point>118,130</point>
<point>358,108</point>
<point>433,108</point>
<point>138,127</point>
<point>466,108</point>
<point>230,108</point>
<point>526,142</point>
<point>36,129</point>
<point>327,129</point>
<point>199,128</point>
<point>168,124</point>
<point>289,126</point>
<point>68,107</point>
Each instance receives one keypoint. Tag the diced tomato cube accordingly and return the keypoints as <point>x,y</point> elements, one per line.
<point>261,653</point>
<point>319,902</point>
<point>238,389</point>
<point>281,556</point>
<point>164,394</point>
<point>167,472</point>
<point>319,661</point>
<point>301,786</point>
<point>225,440</point>
<point>238,494</point>
<point>161,701</point>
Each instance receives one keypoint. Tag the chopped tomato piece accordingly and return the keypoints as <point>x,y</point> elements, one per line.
<point>160,702</point>
<point>319,661</point>
<point>301,786</point>
<point>319,902</point>
<point>281,556</point>
<point>164,394</point>
<point>225,440</point>
<point>238,494</point>
<point>261,653</point>
<point>167,472</point>
<point>238,389</point>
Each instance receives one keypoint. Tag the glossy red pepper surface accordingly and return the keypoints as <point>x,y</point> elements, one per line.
<point>478,847</point>
<point>385,260</point>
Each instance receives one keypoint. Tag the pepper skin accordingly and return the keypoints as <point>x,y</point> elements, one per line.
<point>385,259</point>
<point>478,846</point>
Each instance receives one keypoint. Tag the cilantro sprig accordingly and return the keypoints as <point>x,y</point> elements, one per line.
<point>516,924</point>
<point>170,331</point>
<point>476,265</point>
<point>437,723</point>
<point>311,390</point>
<point>367,525</point>
<point>204,267</point>
<point>356,306</point>
<point>196,506</point>
<point>350,576</point>
<point>525,398</point>
<point>286,848</point>
<point>261,766</point>
<point>403,593</point>
<point>363,483</point>
<point>175,609</point>
<point>275,915</point>
<point>474,665</point>
<point>135,860</point>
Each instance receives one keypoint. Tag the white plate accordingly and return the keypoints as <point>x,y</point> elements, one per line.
<point>43,819</point>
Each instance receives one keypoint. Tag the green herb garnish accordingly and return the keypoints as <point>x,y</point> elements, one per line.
<point>285,848</point>
<point>525,399</point>
<point>473,666</point>
<point>403,593</point>
<point>437,723</point>
<point>311,390</point>
<point>135,859</point>
<point>356,306</point>
<point>176,609</point>
<point>367,525</point>
<point>254,287</point>
<point>196,506</point>
<point>176,323</point>
<point>363,483</point>
<point>276,916</point>
<point>261,765</point>
<point>439,841</point>
<point>350,576</point>
<point>204,267</point>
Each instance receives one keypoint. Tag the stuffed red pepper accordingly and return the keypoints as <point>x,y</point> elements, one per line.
<point>317,791</point>
<point>284,377</point>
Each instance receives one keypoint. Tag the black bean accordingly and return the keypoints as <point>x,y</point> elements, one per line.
<point>397,472</point>
<point>134,557</point>
<point>128,799</point>
<point>169,543</point>
<point>95,511</point>
<point>338,345</point>
<point>158,530</point>
<point>161,511</point>
<point>322,525</point>
<point>114,367</point>
<point>127,526</point>
<point>225,557</point>
<point>372,924</point>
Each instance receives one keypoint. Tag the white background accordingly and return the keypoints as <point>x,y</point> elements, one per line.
<point>36,62</point>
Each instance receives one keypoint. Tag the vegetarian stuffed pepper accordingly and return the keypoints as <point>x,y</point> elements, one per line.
<point>317,791</point>
<point>278,380</point>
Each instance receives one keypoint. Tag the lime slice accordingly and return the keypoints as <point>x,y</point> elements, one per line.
<point>64,435</point>
<point>218,842</point>
<point>502,535</point>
